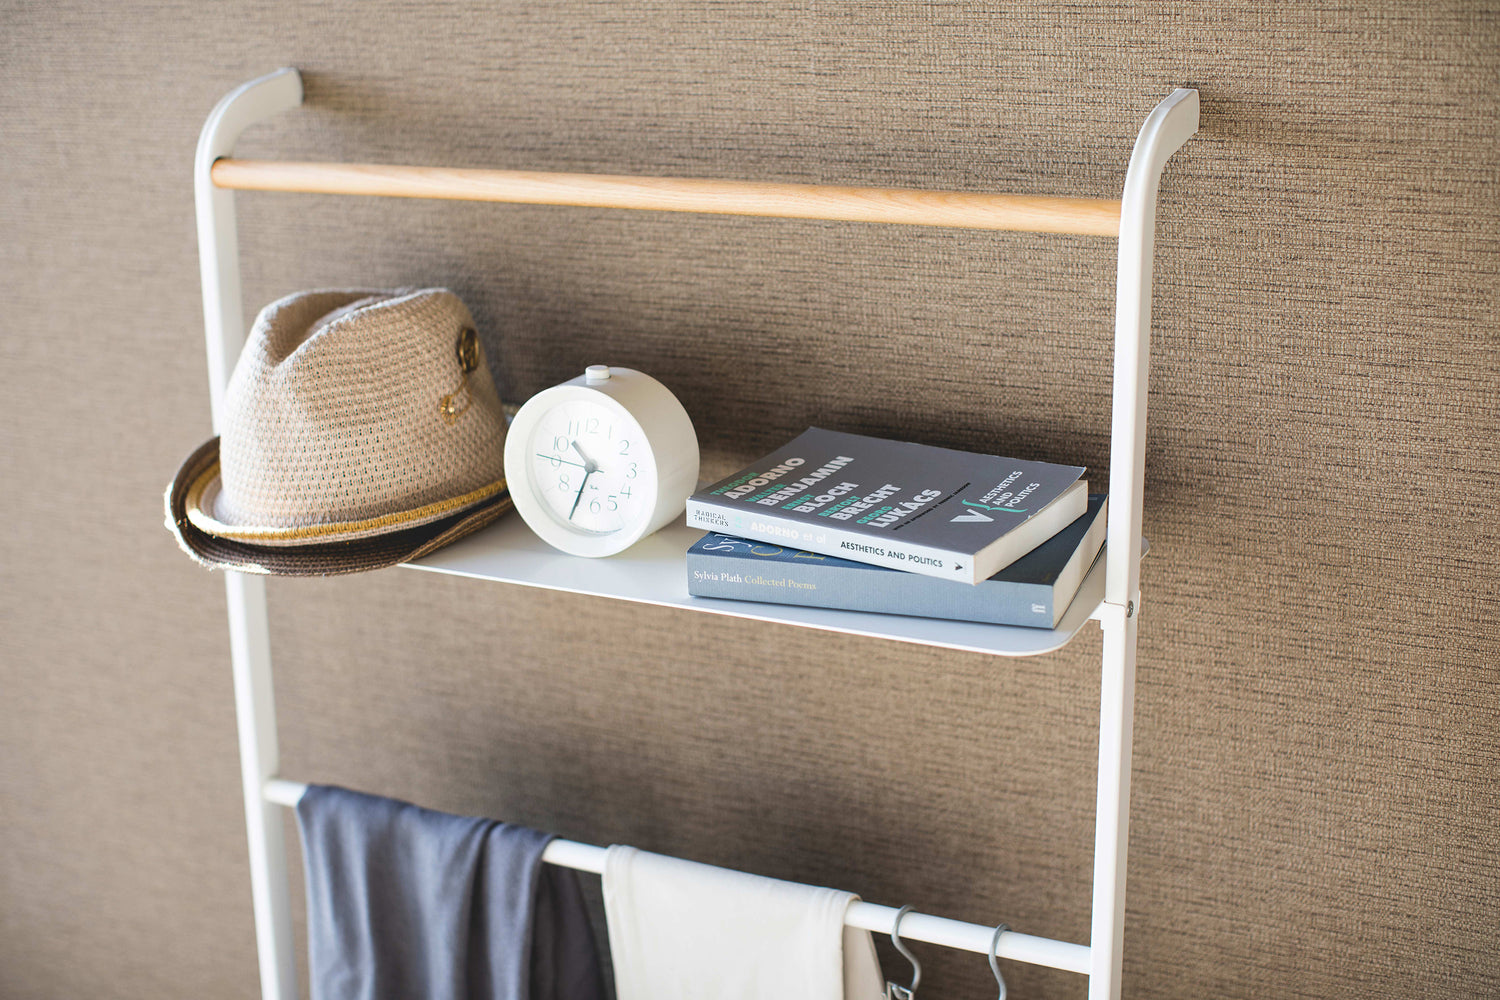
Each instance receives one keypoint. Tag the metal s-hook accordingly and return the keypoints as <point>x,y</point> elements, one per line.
<point>995,959</point>
<point>894,991</point>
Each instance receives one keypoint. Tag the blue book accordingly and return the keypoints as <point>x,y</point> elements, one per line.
<point>1034,590</point>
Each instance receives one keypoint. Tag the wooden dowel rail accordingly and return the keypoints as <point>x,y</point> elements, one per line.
<point>958,209</point>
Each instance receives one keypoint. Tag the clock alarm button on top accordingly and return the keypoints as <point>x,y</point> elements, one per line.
<point>600,461</point>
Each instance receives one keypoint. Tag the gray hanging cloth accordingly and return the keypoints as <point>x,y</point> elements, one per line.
<point>405,902</point>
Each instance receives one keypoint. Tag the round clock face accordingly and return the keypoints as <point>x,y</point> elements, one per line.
<point>600,461</point>
<point>591,467</point>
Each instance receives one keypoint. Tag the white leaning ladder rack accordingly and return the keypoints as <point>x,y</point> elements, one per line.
<point>505,551</point>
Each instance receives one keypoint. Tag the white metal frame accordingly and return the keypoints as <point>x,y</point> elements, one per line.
<point>1170,125</point>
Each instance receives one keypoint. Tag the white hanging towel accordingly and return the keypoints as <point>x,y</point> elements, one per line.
<point>679,930</point>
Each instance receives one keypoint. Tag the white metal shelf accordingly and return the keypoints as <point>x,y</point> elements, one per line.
<point>653,571</point>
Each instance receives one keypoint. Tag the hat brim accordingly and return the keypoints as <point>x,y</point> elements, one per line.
<point>321,554</point>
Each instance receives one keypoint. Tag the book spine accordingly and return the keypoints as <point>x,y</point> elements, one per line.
<point>831,541</point>
<point>741,577</point>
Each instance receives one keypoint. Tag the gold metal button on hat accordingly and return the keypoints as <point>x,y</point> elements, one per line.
<point>453,405</point>
<point>468,349</point>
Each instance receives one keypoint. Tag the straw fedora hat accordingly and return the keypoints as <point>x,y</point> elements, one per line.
<point>359,429</point>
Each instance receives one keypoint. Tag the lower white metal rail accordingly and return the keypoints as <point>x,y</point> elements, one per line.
<point>1169,125</point>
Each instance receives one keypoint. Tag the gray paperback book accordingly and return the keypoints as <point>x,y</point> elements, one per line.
<point>1033,591</point>
<point>951,514</point>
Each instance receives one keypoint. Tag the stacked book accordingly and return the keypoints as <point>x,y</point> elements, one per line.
<point>837,520</point>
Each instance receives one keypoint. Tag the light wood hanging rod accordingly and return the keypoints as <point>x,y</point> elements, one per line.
<point>1021,213</point>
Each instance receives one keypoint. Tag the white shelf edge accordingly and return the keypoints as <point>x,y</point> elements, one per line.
<point>653,571</point>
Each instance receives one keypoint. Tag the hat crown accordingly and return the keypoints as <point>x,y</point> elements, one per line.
<point>352,405</point>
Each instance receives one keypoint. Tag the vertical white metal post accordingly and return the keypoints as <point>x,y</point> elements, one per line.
<point>1112,804</point>
<point>1169,125</point>
<point>249,633</point>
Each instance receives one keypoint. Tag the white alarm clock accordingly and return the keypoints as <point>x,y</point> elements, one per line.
<point>601,461</point>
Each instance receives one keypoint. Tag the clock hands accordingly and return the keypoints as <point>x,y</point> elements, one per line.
<point>572,510</point>
<point>588,470</point>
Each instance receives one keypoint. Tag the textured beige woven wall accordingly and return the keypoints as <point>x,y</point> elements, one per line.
<point>1317,734</point>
